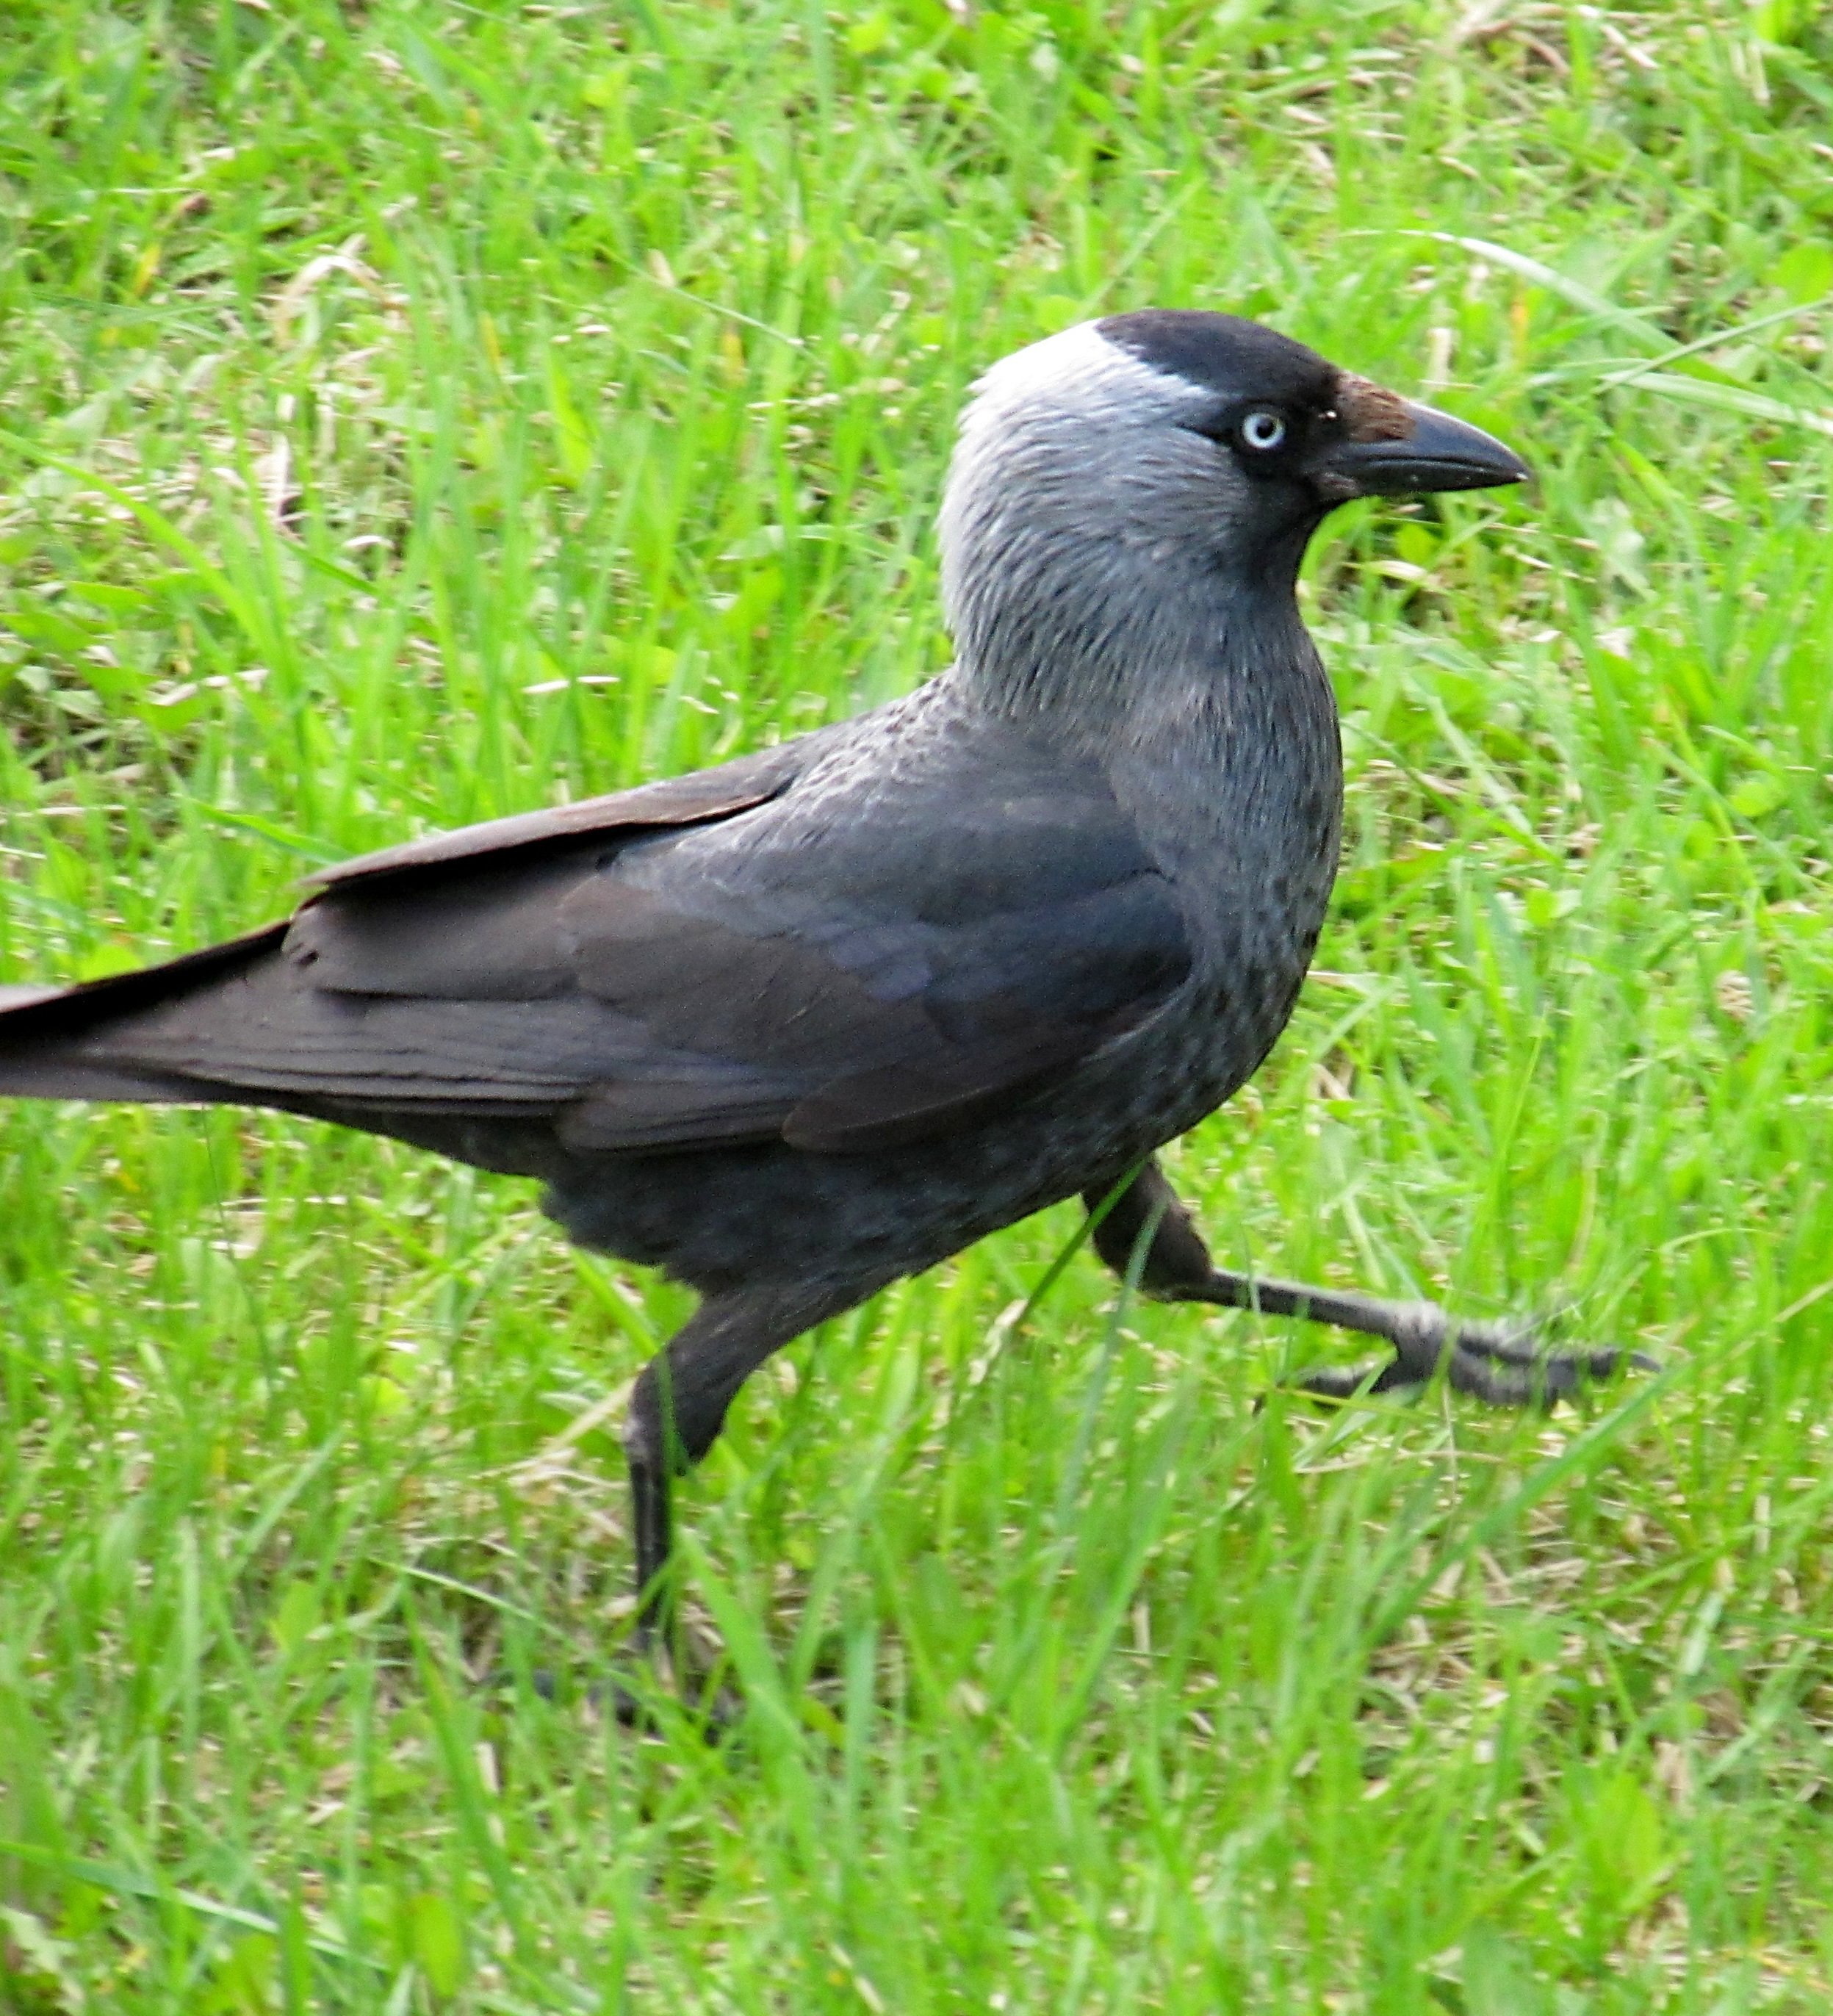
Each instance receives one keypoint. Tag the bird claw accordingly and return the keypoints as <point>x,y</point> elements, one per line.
<point>1505,1363</point>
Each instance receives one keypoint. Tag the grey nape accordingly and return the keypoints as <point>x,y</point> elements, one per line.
<point>795,1026</point>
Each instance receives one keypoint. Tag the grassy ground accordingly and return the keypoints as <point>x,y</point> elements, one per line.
<point>414,413</point>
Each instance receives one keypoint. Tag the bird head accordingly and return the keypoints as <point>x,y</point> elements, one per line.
<point>1151,469</point>
<point>1289,419</point>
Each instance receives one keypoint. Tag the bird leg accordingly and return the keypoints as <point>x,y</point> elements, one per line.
<point>1501,1362</point>
<point>679,1407</point>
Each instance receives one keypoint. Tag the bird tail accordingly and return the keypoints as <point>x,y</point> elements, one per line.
<point>76,1043</point>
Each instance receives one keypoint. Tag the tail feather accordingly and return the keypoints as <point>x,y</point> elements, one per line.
<point>54,1040</point>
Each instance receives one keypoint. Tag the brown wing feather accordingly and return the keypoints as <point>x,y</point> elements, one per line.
<point>670,802</point>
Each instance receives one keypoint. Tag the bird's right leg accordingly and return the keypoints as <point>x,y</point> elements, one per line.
<point>1499,1362</point>
<point>679,1407</point>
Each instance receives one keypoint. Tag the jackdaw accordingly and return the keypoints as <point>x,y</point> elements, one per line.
<point>794,1027</point>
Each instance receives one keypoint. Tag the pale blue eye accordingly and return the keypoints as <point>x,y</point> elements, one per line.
<point>1262,431</point>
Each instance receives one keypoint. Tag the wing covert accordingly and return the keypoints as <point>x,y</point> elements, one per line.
<point>880,979</point>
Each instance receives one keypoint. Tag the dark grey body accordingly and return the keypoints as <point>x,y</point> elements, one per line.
<point>889,794</point>
<point>793,1027</point>
<point>1252,911</point>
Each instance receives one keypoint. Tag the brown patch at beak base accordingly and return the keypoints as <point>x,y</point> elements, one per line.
<point>1370,413</point>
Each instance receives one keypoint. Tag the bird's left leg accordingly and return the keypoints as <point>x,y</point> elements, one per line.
<point>678,1406</point>
<point>1499,1362</point>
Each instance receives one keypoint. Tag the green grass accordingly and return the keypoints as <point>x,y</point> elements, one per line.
<point>416,412</point>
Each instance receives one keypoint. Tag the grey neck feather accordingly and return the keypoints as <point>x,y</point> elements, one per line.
<point>1093,555</point>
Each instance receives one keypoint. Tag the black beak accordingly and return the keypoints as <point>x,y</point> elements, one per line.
<point>1434,452</point>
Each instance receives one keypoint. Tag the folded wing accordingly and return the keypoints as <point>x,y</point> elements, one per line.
<point>841,967</point>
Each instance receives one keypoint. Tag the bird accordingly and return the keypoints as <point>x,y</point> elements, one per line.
<point>796,1027</point>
